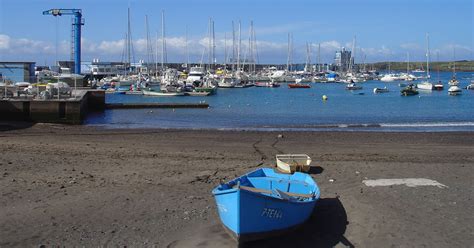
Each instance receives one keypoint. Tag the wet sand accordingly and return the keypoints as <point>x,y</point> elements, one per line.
<point>81,186</point>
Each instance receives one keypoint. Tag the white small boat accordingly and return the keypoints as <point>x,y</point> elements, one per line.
<point>454,90</point>
<point>353,86</point>
<point>289,163</point>
<point>424,86</point>
<point>161,93</point>
<point>381,90</point>
<point>471,86</point>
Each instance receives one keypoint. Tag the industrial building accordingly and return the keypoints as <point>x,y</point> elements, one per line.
<point>18,71</point>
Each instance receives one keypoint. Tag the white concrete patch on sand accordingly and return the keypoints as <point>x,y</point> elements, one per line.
<point>410,182</point>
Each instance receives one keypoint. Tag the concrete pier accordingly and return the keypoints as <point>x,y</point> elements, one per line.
<point>69,110</point>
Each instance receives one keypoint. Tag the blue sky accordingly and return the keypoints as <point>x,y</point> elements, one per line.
<point>385,30</point>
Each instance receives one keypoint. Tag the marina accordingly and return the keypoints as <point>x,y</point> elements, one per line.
<point>236,124</point>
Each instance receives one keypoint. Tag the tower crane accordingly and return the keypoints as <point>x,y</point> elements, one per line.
<point>77,22</point>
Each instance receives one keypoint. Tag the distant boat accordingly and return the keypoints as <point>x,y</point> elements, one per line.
<point>298,85</point>
<point>389,78</point>
<point>454,90</point>
<point>228,82</point>
<point>424,86</point>
<point>409,91</point>
<point>290,163</point>
<point>353,86</point>
<point>265,203</point>
<point>267,84</point>
<point>148,92</point>
<point>419,70</point>
<point>453,81</point>
<point>438,86</point>
<point>381,90</point>
<point>471,86</point>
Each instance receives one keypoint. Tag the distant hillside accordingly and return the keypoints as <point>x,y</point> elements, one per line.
<point>463,65</point>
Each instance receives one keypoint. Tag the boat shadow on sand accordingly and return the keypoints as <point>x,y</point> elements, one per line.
<point>325,228</point>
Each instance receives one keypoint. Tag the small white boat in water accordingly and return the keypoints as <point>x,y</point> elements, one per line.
<point>381,90</point>
<point>454,90</point>
<point>353,86</point>
<point>424,86</point>
<point>289,163</point>
<point>228,82</point>
<point>471,86</point>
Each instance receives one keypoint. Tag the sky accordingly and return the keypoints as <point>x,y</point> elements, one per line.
<point>383,30</point>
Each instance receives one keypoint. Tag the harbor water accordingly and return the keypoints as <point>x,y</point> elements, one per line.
<point>284,109</point>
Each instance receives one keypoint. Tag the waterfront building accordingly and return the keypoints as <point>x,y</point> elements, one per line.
<point>343,60</point>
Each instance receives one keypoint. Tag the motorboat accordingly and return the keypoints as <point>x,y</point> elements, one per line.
<point>438,86</point>
<point>424,86</point>
<point>353,86</point>
<point>381,90</point>
<point>454,90</point>
<point>409,91</point>
<point>265,203</point>
<point>471,86</point>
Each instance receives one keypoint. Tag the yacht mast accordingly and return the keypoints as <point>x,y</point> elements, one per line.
<point>209,45</point>
<point>225,53</point>
<point>213,46</point>
<point>149,49</point>
<point>239,47</point>
<point>163,41</point>
<point>233,47</point>
<point>156,55</point>
<point>186,46</point>
<point>427,56</point>
<point>288,55</point>
<point>129,42</point>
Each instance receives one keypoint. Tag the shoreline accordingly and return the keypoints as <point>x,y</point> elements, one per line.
<point>81,186</point>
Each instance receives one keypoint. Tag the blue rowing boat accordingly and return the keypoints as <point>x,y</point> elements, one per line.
<point>264,203</point>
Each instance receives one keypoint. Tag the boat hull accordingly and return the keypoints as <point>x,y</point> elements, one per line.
<point>158,93</point>
<point>299,86</point>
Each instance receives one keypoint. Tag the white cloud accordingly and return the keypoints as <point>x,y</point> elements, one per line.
<point>4,42</point>
<point>268,51</point>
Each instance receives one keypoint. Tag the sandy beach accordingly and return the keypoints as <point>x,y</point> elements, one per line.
<point>81,186</point>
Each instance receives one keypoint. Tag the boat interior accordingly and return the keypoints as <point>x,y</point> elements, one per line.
<point>268,182</point>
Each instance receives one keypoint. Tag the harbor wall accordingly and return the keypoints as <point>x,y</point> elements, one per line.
<point>65,111</point>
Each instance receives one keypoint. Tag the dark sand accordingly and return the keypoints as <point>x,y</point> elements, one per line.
<point>79,186</point>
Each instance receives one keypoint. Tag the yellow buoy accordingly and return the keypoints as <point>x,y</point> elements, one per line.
<point>325,97</point>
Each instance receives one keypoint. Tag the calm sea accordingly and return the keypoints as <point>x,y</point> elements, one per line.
<point>303,109</point>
